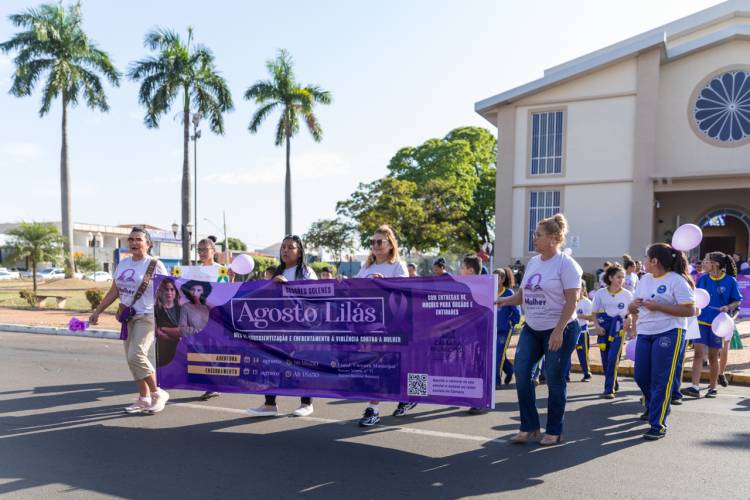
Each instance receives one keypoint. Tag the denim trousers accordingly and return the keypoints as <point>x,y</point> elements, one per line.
<point>532,345</point>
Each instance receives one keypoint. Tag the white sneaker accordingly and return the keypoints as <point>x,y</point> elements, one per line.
<point>139,405</point>
<point>303,411</point>
<point>158,401</point>
<point>263,411</point>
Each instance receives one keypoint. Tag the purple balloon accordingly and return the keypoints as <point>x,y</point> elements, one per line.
<point>630,350</point>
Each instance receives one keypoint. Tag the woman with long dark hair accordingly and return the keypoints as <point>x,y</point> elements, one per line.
<point>664,299</point>
<point>721,284</point>
<point>167,314</point>
<point>292,267</point>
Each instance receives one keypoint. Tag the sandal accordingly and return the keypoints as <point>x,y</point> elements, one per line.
<point>523,437</point>
<point>550,440</point>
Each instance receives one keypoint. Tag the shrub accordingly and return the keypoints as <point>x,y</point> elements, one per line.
<point>318,267</point>
<point>29,296</point>
<point>590,280</point>
<point>95,297</point>
<point>86,264</point>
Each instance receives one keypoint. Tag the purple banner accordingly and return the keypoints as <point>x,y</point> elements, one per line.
<point>428,340</point>
<point>744,282</point>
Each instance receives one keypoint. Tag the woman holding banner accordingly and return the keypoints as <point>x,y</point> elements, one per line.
<point>292,268</point>
<point>132,273</point>
<point>549,293</point>
<point>383,262</point>
<point>206,253</point>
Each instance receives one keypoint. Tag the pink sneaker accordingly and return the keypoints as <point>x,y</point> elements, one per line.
<point>139,405</point>
<point>158,401</point>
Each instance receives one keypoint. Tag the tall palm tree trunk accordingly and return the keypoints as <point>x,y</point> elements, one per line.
<point>288,190</point>
<point>67,225</point>
<point>33,274</point>
<point>186,215</point>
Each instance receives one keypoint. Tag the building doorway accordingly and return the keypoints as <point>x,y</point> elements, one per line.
<point>727,231</point>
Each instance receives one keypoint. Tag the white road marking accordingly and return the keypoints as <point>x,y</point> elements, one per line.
<point>405,430</point>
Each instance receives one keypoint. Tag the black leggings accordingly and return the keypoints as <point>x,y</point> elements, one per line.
<point>271,400</point>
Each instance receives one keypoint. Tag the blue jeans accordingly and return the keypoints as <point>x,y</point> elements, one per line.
<point>532,345</point>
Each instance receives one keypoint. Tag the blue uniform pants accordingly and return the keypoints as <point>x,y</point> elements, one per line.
<point>582,350</point>
<point>532,344</point>
<point>610,347</point>
<point>504,365</point>
<point>656,360</point>
<point>676,394</point>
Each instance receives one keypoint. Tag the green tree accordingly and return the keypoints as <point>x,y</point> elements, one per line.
<point>181,70</point>
<point>334,235</point>
<point>483,147</point>
<point>389,201</point>
<point>235,244</point>
<point>36,241</point>
<point>295,103</point>
<point>54,47</point>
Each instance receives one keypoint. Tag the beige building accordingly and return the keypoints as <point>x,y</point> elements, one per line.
<point>631,141</point>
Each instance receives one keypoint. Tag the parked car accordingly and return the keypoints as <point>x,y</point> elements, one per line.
<point>5,275</point>
<point>51,273</point>
<point>99,276</point>
<point>26,274</point>
<point>14,274</point>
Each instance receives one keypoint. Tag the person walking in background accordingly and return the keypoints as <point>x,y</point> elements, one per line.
<point>507,319</point>
<point>664,299</point>
<point>721,284</point>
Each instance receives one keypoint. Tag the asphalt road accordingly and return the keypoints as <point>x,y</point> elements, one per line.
<point>63,433</point>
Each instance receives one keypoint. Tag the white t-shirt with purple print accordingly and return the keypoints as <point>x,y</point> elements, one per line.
<point>543,286</point>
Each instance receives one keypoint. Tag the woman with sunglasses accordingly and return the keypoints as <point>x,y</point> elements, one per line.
<point>292,268</point>
<point>383,262</point>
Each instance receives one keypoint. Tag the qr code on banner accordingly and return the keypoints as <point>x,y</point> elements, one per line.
<point>417,384</point>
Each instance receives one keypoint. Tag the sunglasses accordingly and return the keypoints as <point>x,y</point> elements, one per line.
<point>377,243</point>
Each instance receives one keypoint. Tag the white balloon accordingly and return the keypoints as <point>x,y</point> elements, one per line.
<point>242,264</point>
<point>687,237</point>
<point>690,269</point>
<point>723,326</point>
<point>702,298</point>
<point>568,251</point>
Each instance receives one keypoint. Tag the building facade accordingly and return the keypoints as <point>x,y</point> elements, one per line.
<point>631,141</point>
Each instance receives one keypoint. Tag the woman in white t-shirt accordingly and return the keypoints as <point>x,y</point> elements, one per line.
<point>549,293</point>
<point>664,299</point>
<point>206,253</point>
<point>139,344</point>
<point>383,262</point>
<point>292,268</point>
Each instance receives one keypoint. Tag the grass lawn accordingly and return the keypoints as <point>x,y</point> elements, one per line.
<point>74,289</point>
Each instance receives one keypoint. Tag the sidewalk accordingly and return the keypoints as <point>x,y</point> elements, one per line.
<point>738,367</point>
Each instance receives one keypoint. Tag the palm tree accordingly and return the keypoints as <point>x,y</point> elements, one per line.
<point>181,70</point>
<point>295,103</point>
<point>36,241</point>
<point>53,44</point>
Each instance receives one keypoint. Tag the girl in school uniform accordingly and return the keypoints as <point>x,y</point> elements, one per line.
<point>631,277</point>
<point>664,299</point>
<point>611,309</point>
<point>584,309</point>
<point>507,318</point>
<point>721,285</point>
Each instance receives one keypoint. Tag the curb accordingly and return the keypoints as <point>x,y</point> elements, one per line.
<point>50,330</point>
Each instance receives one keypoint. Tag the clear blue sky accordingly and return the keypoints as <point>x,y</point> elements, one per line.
<point>400,73</point>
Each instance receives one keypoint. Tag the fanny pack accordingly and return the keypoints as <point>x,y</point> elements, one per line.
<point>126,313</point>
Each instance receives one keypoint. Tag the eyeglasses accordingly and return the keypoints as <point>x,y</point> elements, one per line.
<point>289,247</point>
<point>202,249</point>
<point>377,243</point>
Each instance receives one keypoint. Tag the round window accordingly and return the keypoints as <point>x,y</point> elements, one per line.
<point>721,108</point>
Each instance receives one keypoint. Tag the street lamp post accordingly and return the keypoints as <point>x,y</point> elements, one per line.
<point>225,244</point>
<point>95,240</point>
<point>196,135</point>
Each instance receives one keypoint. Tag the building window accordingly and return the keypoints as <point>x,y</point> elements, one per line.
<point>542,204</point>
<point>721,108</point>
<point>546,143</point>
